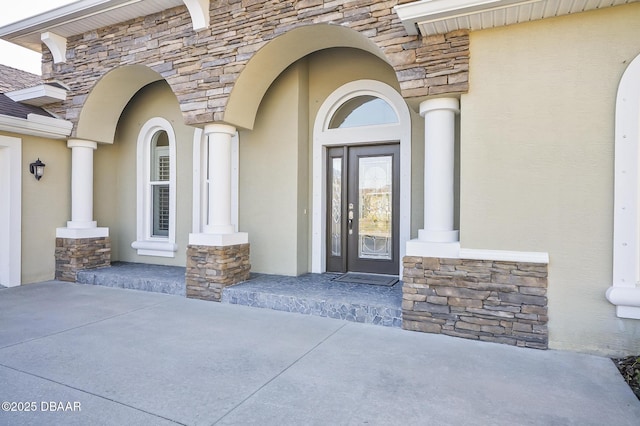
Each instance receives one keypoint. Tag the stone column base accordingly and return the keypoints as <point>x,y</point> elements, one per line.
<point>77,254</point>
<point>494,301</point>
<point>212,268</point>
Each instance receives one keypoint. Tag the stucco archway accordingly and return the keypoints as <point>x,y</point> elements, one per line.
<point>101,111</point>
<point>273,58</point>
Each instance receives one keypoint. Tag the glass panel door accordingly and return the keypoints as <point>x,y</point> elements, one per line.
<point>362,209</point>
<point>375,190</point>
<point>373,197</point>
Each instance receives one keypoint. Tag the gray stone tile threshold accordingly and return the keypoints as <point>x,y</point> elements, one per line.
<point>310,294</point>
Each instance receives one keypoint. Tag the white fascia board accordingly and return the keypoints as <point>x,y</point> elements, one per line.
<point>37,125</point>
<point>44,21</point>
<point>412,14</point>
<point>53,17</point>
<point>38,95</point>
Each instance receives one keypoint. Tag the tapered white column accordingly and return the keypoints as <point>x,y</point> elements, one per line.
<point>439,161</point>
<point>218,229</point>
<point>81,184</point>
<point>219,142</point>
<point>438,238</point>
<point>82,224</point>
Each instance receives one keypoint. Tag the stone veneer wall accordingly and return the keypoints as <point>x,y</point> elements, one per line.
<point>77,254</point>
<point>495,301</point>
<point>202,67</point>
<point>210,269</point>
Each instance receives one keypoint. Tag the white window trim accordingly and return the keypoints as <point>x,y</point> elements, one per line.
<point>146,244</point>
<point>11,201</point>
<point>323,137</point>
<point>625,289</point>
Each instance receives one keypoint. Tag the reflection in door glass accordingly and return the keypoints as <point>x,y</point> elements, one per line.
<point>336,206</point>
<point>375,201</point>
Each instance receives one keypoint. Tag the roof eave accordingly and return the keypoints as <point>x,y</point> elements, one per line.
<point>37,125</point>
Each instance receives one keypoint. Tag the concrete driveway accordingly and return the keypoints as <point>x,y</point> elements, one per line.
<point>88,355</point>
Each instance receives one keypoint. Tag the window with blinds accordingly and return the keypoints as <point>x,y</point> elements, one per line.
<point>160,176</point>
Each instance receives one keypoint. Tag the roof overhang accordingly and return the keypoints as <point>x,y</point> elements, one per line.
<point>37,125</point>
<point>40,95</point>
<point>431,17</point>
<point>81,17</point>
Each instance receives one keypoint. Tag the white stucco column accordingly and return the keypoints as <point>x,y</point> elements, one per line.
<point>82,224</point>
<point>219,143</point>
<point>81,184</point>
<point>438,237</point>
<point>218,229</point>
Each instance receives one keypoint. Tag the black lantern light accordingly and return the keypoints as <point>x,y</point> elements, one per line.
<point>37,168</point>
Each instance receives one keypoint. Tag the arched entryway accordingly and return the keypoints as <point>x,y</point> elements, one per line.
<point>361,180</point>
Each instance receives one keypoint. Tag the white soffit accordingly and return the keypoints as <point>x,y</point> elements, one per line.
<point>433,17</point>
<point>79,18</point>
<point>40,95</point>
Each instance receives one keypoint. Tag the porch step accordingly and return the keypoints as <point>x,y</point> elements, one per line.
<point>319,294</point>
<point>137,276</point>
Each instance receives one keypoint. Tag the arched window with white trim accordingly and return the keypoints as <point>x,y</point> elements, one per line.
<point>156,189</point>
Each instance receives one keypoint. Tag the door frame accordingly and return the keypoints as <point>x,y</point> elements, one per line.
<point>349,260</point>
<point>323,137</point>
<point>11,203</point>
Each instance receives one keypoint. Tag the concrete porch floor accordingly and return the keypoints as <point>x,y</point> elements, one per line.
<point>310,294</point>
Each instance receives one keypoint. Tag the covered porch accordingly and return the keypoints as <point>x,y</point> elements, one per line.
<point>310,294</point>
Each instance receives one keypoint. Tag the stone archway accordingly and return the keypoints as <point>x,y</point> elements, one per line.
<point>270,61</point>
<point>208,68</point>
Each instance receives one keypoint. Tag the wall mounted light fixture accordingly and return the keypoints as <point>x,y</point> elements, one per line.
<point>37,169</point>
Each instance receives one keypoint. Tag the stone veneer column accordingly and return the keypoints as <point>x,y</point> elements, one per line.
<point>81,245</point>
<point>219,256</point>
<point>438,238</point>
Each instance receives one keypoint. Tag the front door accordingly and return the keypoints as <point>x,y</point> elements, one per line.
<point>363,194</point>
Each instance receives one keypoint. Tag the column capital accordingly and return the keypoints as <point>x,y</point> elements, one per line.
<point>219,128</point>
<point>80,143</point>
<point>451,104</point>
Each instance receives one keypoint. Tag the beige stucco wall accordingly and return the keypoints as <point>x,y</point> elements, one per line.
<point>269,157</point>
<point>537,160</point>
<point>115,175</point>
<point>46,205</point>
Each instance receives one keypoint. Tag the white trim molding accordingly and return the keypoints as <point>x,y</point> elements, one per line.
<point>505,255</point>
<point>10,211</point>
<point>323,137</point>
<point>147,244</point>
<point>625,289</point>
<point>430,17</point>
<point>37,125</point>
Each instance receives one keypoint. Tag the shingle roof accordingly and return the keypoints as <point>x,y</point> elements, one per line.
<point>13,79</point>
